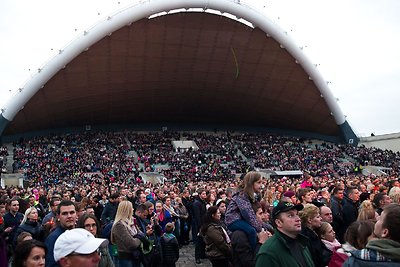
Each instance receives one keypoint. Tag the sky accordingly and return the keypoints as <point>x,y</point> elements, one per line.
<point>356,44</point>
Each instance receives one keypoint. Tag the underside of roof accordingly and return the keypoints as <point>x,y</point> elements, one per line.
<point>196,68</point>
<point>192,68</point>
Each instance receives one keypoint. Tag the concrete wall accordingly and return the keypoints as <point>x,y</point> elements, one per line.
<point>386,141</point>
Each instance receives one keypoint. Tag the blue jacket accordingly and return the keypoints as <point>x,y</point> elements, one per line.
<point>50,242</point>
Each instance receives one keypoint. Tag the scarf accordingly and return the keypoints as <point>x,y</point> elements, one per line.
<point>331,245</point>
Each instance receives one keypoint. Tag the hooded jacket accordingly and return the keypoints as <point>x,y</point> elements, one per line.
<point>379,252</point>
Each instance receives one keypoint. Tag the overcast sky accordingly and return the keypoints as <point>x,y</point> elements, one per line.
<point>356,44</point>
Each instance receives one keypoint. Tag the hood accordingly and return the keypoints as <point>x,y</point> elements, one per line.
<point>388,248</point>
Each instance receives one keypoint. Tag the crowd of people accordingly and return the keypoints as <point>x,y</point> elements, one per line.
<point>88,187</point>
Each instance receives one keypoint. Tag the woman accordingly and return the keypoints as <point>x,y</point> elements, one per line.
<point>367,212</point>
<point>31,225</point>
<point>327,235</point>
<point>310,221</point>
<point>356,237</point>
<point>124,236</point>
<point>218,247</point>
<point>163,216</point>
<point>183,214</point>
<point>90,223</point>
<point>30,253</point>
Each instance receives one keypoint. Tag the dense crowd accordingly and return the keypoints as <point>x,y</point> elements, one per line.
<point>93,180</point>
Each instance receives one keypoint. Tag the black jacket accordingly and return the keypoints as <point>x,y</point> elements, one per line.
<point>319,253</point>
<point>170,249</point>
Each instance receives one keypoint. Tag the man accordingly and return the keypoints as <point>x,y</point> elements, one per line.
<point>51,216</point>
<point>110,209</point>
<point>78,247</point>
<point>350,208</point>
<point>33,203</point>
<point>66,216</point>
<point>326,214</point>
<point>199,211</point>
<point>337,212</point>
<point>12,220</point>
<point>381,200</point>
<point>287,247</point>
<point>384,251</point>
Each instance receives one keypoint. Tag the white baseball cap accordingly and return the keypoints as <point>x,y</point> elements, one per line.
<point>77,240</point>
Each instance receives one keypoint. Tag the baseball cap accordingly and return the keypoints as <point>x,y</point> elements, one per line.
<point>77,240</point>
<point>284,206</point>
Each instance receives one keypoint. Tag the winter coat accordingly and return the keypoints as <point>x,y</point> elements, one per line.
<point>378,252</point>
<point>217,246</point>
<point>240,208</point>
<point>276,252</point>
<point>170,249</point>
<point>123,236</point>
<point>320,254</point>
<point>243,253</point>
<point>33,228</point>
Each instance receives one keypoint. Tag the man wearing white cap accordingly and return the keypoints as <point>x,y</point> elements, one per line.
<point>78,248</point>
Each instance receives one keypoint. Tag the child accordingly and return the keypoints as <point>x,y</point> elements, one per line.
<point>240,214</point>
<point>169,246</point>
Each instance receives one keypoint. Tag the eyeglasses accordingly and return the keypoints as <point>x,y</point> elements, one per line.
<point>97,251</point>
<point>93,225</point>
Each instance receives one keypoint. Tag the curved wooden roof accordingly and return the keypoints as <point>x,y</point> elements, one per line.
<point>196,68</point>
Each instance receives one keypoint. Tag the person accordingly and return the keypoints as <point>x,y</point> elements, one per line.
<point>50,218</point>
<point>169,246</point>
<point>163,216</point>
<point>39,207</point>
<point>367,211</point>
<point>66,216</point>
<point>380,201</point>
<point>394,194</point>
<point>199,211</point>
<point>337,203</point>
<point>311,221</point>
<point>290,196</point>
<point>31,225</point>
<point>287,247</point>
<point>385,250</point>
<point>11,220</point>
<point>29,253</point>
<point>355,237</point>
<point>90,223</point>
<point>124,236</point>
<point>240,214</point>
<point>350,207</point>
<point>183,214</point>
<point>326,214</point>
<point>218,247</point>
<point>221,204</point>
<point>304,195</point>
<point>328,237</point>
<point>243,254</point>
<point>110,209</point>
<point>78,247</point>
